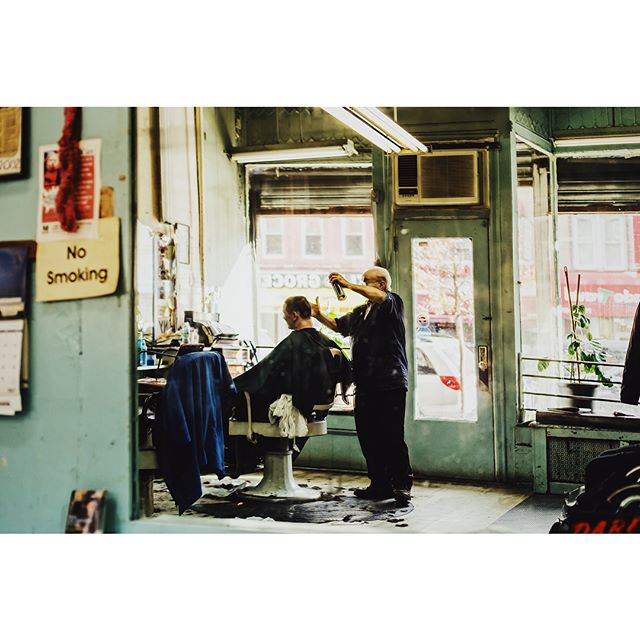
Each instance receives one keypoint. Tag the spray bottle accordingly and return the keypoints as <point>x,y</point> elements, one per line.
<point>337,287</point>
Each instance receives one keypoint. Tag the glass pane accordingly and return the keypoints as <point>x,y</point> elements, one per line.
<point>612,253</point>
<point>312,225</point>
<point>444,348</point>
<point>354,245</point>
<point>613,230</point>
<point>313,245</point>
<point>609,290</point>
<point>273,244</point>
<point>585,232</point>
<point>271,224</point>
<point>353,225</point>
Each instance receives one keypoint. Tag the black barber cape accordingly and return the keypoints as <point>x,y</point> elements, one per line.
<point>303,366</point>
<point>189,435</point>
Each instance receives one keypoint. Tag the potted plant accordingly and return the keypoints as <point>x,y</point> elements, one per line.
<point>585,353</point>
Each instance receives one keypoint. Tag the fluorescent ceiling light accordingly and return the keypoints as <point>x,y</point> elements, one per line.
<point>364,129</point>
<point>596,142</point>
<point>390,128</point>
<point>376,127</point>
<point>280,154</point>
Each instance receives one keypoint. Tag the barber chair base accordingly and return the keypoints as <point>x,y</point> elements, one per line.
<point>278,483</point>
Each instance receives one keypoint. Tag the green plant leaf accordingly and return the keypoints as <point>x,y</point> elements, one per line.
<point>582,345</point>
<point>543,364</point>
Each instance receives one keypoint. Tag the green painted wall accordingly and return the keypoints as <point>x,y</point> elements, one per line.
<point>553,121</point>
<point>566,120</point>
<point>289,125</point>
<point>76,427</point>
<point>339,449</point>
<point>536,120</point>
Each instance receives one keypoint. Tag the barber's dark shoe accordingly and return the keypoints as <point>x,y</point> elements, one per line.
<point>373,493</point>
<point>402,497</point>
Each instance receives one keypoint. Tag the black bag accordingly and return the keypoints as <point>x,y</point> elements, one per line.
<point>609,501</point>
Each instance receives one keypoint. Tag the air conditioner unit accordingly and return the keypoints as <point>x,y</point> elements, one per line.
<point>441,178</point>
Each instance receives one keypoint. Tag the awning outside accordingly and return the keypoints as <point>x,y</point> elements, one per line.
<point>604,293</point>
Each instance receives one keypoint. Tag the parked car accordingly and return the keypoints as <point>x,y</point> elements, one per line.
<point>441,391</point>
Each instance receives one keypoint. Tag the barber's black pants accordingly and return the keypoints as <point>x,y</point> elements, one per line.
<point>379,419</point>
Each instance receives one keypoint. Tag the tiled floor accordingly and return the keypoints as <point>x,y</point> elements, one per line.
<point>439,507</point>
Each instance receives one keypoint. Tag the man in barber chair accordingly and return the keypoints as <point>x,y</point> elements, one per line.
<point>306,365</point>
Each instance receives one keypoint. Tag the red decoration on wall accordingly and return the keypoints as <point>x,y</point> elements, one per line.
<point>69,152</point>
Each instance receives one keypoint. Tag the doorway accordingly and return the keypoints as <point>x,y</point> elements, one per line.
<point>444,282</point>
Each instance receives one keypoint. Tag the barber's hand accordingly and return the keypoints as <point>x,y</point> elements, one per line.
<point>315,308</point>
<point>339,278</point>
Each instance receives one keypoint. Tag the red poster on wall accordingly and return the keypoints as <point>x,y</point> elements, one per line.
<point>87,195</point>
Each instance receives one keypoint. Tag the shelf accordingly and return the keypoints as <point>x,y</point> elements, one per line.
<point>565,418</point>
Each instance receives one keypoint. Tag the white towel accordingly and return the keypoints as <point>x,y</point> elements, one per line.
<point>291,422</point>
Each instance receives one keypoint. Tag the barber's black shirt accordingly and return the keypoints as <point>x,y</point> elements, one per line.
<point>379,355</point>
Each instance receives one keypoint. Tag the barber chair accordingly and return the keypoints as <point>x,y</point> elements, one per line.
<point>277,481</point>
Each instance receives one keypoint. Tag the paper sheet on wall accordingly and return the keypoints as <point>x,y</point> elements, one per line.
<point>87,192</point>
<point>80,268</point>
<point>10,140</point>
<point>11,339</point>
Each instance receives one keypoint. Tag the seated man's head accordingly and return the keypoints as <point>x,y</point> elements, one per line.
<point>296,312</point>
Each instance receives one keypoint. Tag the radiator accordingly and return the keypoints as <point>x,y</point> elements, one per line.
<point>568,457</point>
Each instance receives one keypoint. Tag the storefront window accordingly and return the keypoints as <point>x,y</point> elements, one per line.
<point>605,250</point>
<point>299,272</point>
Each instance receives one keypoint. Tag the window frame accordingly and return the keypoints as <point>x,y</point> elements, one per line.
<point>345,233</point>
<point>306,220</point>
<point>264,233</point>
<point>599,230</point>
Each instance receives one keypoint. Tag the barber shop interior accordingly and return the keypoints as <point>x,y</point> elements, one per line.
<point>320,319</point>
<point>317,371</point>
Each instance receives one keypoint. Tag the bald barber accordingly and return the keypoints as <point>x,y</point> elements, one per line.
<point>379,360</point>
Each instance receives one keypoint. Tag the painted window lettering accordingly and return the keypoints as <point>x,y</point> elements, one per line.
<point>615,525</point>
